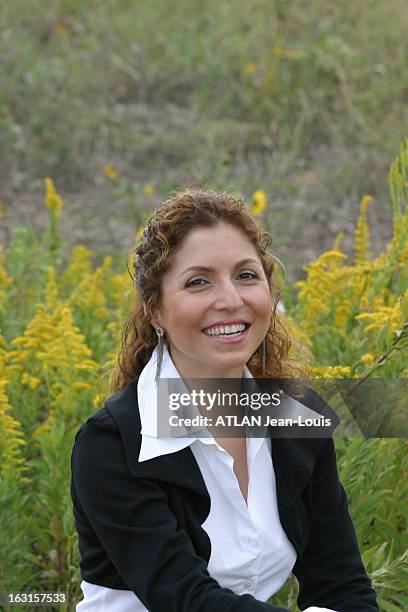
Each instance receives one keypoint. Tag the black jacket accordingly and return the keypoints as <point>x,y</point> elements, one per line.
<point>139,524</point>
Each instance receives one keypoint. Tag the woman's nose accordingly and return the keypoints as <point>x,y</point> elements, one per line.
<point>228,296</point>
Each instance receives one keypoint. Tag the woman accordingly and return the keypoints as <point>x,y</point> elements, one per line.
<point>207,523</point>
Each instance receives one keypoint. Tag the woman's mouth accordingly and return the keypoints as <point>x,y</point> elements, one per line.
<point>232,333</point>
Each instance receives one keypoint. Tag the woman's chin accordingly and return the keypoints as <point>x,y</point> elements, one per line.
<point>225,367</point>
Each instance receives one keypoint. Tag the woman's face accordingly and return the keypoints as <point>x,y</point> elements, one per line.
<point>216,279</point>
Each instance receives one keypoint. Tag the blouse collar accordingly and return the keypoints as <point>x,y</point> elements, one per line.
<point>154,445</point>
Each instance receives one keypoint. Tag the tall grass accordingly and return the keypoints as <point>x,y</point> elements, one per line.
<point>278,76</point>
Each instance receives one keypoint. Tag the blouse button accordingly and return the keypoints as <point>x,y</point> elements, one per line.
<point>249,584</point>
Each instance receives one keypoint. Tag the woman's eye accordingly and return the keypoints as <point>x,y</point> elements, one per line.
<point>248,275</point>
<point>196,282</point>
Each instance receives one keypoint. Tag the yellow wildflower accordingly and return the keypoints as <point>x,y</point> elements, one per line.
<point>36,337</point>
<point>331,371</point>
<point>89,295</point>
<point>365,201</point>
<point>30,381</point>
<point>119,291</point>
<point>11,436</point>
<point>53,200</point>
<point>97,401</point>
<point>82,385</point>
<point>249,68</point>
<point>110,172</point>
<point>61,29</point>
<point>259,205</point>
<point>44,428</point>
<point>149,189</point>
<point>367,358</point>
<point>80,264</point>
<point>331,258</point>
<point>51,346</point>
<point>86,364</point>
<point>316,309</point>
<point>277,51</point>
<point>338,240</point>
<point>384,315</point>
<point>341,316</point>
<point>362,233</point>
<point>5,280</point>
<point>51,290</point>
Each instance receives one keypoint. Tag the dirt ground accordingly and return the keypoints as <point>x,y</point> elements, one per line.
<point>302,226</point>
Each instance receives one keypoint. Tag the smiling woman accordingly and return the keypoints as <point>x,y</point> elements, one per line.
<point>206,248</point>
<point>193,523</point>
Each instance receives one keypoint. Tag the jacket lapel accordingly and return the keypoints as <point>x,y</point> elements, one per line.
<point>178,468</point>
<point>293,462</point>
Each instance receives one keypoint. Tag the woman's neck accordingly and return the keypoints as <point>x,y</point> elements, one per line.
<point>189,369</point>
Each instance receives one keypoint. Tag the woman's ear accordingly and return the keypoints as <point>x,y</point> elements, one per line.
<point>156,323</point>
<point>155,320</point>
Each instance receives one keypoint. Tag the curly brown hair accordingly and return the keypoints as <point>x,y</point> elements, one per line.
<point>184,211</point>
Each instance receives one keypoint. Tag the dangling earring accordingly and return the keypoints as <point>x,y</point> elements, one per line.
<point>263,350</point>
<point>160,344</point>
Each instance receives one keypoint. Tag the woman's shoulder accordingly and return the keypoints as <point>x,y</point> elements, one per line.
<point>101,419</point>
<point>119,416</point>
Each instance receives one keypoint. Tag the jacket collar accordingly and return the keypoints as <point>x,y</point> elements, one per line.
<point>173,461</point>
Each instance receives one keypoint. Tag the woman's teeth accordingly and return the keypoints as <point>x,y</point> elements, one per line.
<point>226,330</point>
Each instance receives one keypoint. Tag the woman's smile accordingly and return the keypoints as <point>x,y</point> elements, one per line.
<point>232,333</point>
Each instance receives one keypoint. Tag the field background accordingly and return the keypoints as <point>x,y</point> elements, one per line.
<point>306,100</point>
<point>300,108</point>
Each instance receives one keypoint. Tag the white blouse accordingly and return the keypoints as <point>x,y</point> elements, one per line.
<point>250,552</point>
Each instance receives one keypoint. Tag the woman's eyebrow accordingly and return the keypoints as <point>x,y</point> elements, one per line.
<point>210,269</point>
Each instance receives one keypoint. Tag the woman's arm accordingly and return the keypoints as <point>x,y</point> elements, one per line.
<point>331,573</point>
<point>133,521</point>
